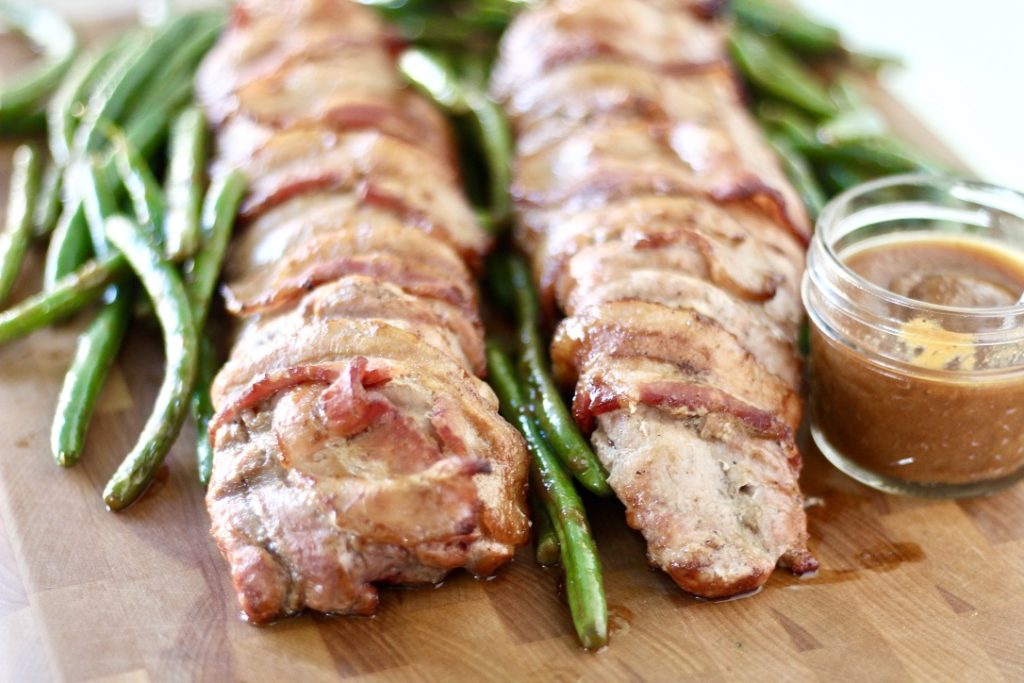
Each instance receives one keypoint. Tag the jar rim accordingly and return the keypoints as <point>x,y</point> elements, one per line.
<point>833,214</point>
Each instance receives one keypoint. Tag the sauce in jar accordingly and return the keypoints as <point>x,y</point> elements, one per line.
<point>960,271</point>
<point>917,353</point>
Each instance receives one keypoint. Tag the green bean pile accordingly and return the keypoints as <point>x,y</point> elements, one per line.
<point>566,518</point>
<point>118,235</point>
<point>560,453</point>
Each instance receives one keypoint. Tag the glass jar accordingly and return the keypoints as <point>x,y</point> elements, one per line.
<point>908,396</point>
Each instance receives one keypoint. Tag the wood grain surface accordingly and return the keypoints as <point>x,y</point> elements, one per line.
<point>910,589</point>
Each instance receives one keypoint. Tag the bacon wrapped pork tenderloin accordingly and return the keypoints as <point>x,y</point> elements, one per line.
<point>355,443</point>
<point>660,224</point>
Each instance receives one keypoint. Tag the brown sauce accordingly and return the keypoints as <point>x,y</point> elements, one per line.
<point>945,424</point>
<point>951,271</point>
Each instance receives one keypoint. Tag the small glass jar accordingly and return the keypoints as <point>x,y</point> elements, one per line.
<point>907,396</point>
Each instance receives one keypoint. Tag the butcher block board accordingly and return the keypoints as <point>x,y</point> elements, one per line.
<point>909,588</point>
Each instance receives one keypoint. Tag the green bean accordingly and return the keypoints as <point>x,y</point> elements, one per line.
<point>99,202</point>
<point>49,202</point>
<point>791,27</point>
<point>799,173</point>
<point>173,311</point>
<point>218,217</point>
<point>495,139</point>
<point>61,114</point>
<point>583,580</point>
<point>498,278</point>
<point>21,199</point>
<point>106,97</point>
<point>146,130</point>
<point>130,72</point>
<point>772,69</point>
<point>202,407</point>
<point>804,35</point>
<point>69,245</point>
<point>182,63</point>
<point>446,26</point>
<point>838,177</point>
<point>545,539</point>
<point>846,96</point>
<point>97,347</point>
<point>856,119</point>
<point>68,102</point>
<point>442,23</point>
<point>95,352</point>
<point>554,418</point>
<point>69,295</point>
<point>493,17</point>
<point>475,69</point>
<point>47,29</point>
<point>219,210</point>
<point>437,78</point>
<point>792,124</point>
<point>855,124</point>
<point>28,124</point>
<point>145,193</point>
<point>184,184</point>
<point>878,155</point>
<point>438,31</point>
<point>499,12</point>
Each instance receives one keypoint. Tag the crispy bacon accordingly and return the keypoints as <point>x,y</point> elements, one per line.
<point>294,287</point>
<point>725,252</point>
<point>698,399</point>
<point>346,405</point>
<point>380,171</point>
<point>266,386</point>
<point>596,397</point>
<point>269,384</point>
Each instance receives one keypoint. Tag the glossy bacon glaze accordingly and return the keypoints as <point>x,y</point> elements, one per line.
<point>659,222</point>
<point>354,442</point>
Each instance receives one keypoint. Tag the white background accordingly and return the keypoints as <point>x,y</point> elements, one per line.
<point>964,73</point>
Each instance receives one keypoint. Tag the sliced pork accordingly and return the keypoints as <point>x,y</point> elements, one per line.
<point>354,441</point>
<point>657,219</point>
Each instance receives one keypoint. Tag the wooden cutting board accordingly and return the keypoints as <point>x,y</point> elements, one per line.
<point>909,588</point>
